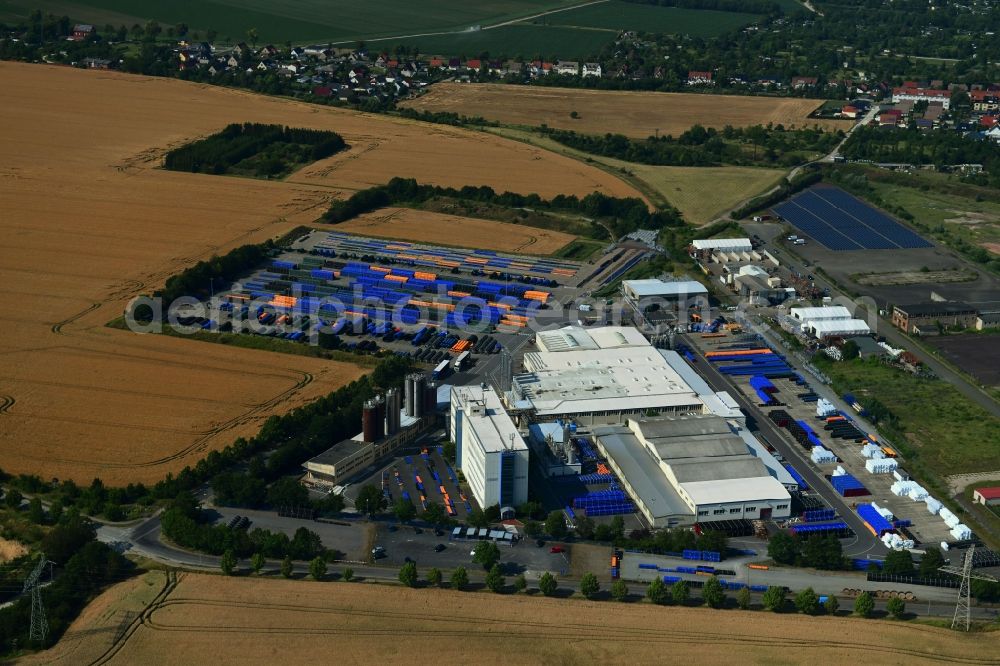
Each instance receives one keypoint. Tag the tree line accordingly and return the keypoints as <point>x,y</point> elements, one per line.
<point>200,280</point>
<point>742,6</point>
<point>911,146</point>
<point>621,215</point>
<point>278,147</point>
<point>698,146</point>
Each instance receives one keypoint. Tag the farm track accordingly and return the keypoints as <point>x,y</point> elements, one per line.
<point>525,629</point>
<point>57,328</point>
<point>169,585</point>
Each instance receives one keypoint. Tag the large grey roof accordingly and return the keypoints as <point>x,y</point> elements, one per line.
<point>665,427</point>
<point>709,446</point>
<point>642,472</point>
<point>717,470</point>
<point>338,452</point>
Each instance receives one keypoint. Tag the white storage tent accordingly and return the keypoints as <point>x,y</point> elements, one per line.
<point>826,328</point>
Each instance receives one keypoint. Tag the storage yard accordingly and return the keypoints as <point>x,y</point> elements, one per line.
<point>78,399</point>
<point>869,476</point>
<point>634,114</point>
<point>234,619</point>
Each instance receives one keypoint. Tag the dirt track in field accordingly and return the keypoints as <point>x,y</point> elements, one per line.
<point>429,227</point>
<point>89,221</point>
<point>250,621</point>
<point>634,114</point>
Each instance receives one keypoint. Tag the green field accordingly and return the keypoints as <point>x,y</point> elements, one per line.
<point>945,432</point>
<point>522,39</point>
<point>616,16</point>
<point>299,20</point>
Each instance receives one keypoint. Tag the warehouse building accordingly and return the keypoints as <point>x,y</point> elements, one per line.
<point>687,469</point>
<point>835,328</point>
<point>491,452</point>
<point>604,385</point>
<point>925,317</point>
<point>987,496</point>
<point>575,338</point>
<point>825,313</point>
<point>723,244</point>
<point>681,290</point>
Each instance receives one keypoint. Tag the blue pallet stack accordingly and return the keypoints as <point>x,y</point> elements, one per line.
<point>818,515</point>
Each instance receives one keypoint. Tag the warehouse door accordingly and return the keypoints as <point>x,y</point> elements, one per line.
<point>765,514</point>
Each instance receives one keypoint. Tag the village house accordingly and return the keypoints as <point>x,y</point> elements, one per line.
<point>81,31</point>
<point>696,78</point>
<point>803,82</point>
<point>568,67</point>
<point>914,93</point>
<point>592,69</point>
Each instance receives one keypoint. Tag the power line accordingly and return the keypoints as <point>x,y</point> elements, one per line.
<point>39,623</point>
<point>963,609</point>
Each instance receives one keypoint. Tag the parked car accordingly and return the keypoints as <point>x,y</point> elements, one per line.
<point>557,549</point>
<point>438,548</point>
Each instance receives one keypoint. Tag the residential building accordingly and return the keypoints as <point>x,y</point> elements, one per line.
<point>696,78</point>
<point>592,69</point>
<point>81,31</point>
<point>917,94</point>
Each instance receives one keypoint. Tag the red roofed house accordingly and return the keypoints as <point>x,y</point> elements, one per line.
<point>699,78</point>
<point>987,496</point>
<point>81,31</point>
<point>849,111</point>
<point>984,100</point>
<point>987,121</point>
<point>475,64</point>
<point>800,82</point>
<point>890,118</point>
<point>921,95</point>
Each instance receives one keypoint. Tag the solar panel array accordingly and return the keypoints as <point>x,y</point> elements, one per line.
<point>842,222</point>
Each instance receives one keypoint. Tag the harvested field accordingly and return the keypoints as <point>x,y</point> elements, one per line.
<point>423,226</point>
<point>11,550</point>
<point>914,277</point>
<point>635,114</point>
<point>105,621</point>
<point>89,222</point>
<point>215,618</point>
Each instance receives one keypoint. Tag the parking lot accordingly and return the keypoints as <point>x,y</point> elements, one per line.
<point>434,473</point>
<point>405,541</point>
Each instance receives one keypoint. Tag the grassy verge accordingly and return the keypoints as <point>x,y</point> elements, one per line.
<point>579,250</point>
<point>263,343</point>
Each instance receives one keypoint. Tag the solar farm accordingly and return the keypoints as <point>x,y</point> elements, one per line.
<point>842,222</point>
<point>344,284</point>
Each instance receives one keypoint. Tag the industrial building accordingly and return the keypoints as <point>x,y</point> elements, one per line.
<point>724,244</point>
<point>923,318</point>
<point>388,423</point>
<point>835,328</point>
<point>603,385</point>
<point>490,450</point>
<point>697,468</point>
<point>825,313</point>
<point>681,290</point>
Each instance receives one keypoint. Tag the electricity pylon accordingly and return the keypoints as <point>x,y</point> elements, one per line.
<point>963,609</point>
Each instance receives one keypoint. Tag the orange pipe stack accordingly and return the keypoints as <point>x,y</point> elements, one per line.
<point>396,278</point>
<point>425,276</point>
<point>542,296</point>
<point>476,260</point>
<point>502,306</point>
<point>380,269</point>
<point>459,294</point>
<point>284,301</point>
<point>737,352</point>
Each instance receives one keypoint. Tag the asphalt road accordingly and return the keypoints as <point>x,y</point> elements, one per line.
<point>864,544</point>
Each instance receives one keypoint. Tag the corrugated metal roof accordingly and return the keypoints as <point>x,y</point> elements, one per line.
<point>820,313</point>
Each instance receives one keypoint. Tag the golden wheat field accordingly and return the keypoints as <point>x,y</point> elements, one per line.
<point>251,621</point>
<point>429,227</point>
<point>634,114</point>
<point>89,221</point>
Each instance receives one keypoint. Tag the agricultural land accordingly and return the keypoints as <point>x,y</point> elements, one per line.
<point>634,114</point>
<point>304,21</point>
<point>430,227</point>
<point>701,194</point>
<point>92,222</point>
<point>212,617</point>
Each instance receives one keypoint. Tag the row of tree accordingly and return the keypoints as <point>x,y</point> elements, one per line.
<point>623,215</point>
<point>698,146</point>
<point>743,6</point>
